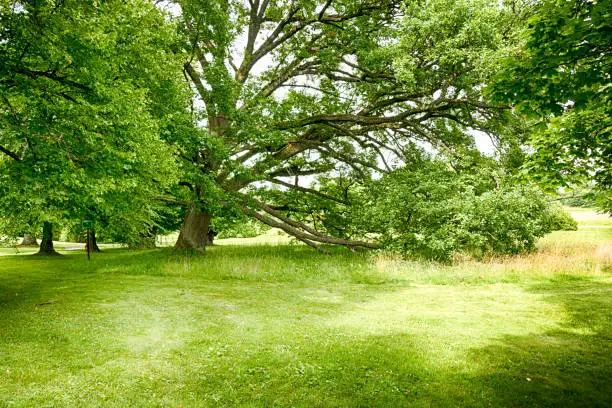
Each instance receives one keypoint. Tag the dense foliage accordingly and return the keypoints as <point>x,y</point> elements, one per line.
<point>305,116</point>
<point>560,81</point>
<point>91,101</point>
<point>239,228</point>
<point>436,212</point>
<point>338,90</point>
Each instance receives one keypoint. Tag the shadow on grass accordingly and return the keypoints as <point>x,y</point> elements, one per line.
<point>567,367</point>
<point>34,279</point>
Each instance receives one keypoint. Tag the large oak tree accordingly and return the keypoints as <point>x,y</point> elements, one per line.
<point>308,97</point>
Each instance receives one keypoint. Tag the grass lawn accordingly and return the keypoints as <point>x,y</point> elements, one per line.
<point>282,325</point>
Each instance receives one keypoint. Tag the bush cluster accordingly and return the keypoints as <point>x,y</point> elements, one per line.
<point>434,213</point>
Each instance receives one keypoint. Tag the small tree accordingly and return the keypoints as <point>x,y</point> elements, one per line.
<point>434,210</point>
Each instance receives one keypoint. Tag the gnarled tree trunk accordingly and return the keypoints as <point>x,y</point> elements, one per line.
<point>194,232</point>
<point>29,240</point>
<point>46,244</point>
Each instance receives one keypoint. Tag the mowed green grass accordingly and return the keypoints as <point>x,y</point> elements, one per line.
<point>282,325</point>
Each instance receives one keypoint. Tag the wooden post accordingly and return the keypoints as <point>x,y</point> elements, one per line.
<point>88,244</point>
<point>87,224</point>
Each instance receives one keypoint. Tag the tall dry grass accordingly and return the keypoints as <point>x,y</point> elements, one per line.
<point>583,254</point>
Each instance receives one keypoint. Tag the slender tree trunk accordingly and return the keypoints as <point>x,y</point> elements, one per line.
<point>94,243</point>
<point>194,232</point>
<point>29,240</point>
<point>46,244</point>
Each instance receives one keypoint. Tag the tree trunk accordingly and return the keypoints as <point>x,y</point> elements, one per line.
<point>46,244</point>
<point>94,243</point>
<point>29,240</point>
<point>211,236</point>
<point>194,232</point>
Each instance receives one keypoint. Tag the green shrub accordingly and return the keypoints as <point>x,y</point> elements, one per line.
<point>434,212</point>
<point>562,221</point>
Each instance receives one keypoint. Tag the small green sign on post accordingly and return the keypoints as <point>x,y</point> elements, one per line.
<point>87,224</point>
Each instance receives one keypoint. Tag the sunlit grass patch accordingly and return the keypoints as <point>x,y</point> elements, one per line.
<point>583,260</point>
<point>588,217</point>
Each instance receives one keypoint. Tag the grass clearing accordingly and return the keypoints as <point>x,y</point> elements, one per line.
<point>282,325</point>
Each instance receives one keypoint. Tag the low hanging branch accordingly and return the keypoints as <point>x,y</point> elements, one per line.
<point>286,219</point>
<point>301,235</point>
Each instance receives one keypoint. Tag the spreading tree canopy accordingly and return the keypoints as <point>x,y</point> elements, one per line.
<point>91,102</point>
<point>308,98</point>
<point>301,110</point>
<point>560,81</point>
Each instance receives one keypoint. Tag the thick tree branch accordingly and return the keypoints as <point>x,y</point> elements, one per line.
<point>292,71</point>
<point>251,56</point>
<point>300,234</point>
<point>197,82</point>
<point>291,172</point>
<point>53,76</point>
<point>12,155</point>
<point>286,219</point>
<point>309,191</point>
<point>254,27</point>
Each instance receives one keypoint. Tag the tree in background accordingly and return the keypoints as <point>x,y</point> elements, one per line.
<point>430,209</point>
<point>559,80</point>
<point>91,103</point>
